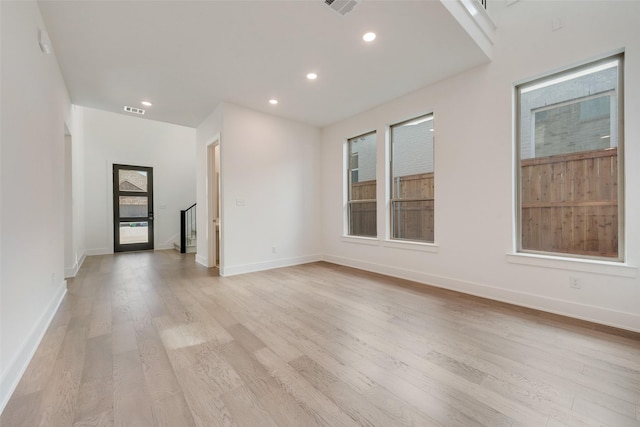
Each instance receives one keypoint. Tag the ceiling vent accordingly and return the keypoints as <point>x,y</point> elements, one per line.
<point>133,110</point>
<point>341,6</point>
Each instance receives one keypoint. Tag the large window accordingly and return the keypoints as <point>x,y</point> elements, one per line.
<point>361,173</point>
<point>570,162</point>
<point>412,195</point>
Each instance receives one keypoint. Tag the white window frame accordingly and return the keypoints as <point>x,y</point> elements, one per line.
<point>393,200</point>
<point>348,201</point>
<point>617,129</point>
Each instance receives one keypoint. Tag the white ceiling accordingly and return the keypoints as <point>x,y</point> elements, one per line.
<point>188,56</point>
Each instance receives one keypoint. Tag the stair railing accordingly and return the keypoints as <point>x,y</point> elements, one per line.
<point>187,227</point>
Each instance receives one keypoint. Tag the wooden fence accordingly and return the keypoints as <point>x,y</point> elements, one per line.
<point>570,203</point>
<point>413,219</point>
<point>363,215</point>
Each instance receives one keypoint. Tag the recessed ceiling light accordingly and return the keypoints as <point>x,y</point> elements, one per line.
<point>146,103</point>
<point>312,76</point>
<point>273,101</point>
<point>369,37</point>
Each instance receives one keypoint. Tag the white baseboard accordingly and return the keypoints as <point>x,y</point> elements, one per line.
<point>202,260</point>
<point>617,319</point>
<point>108,251</point>
<point>168,244</point>
<point>16,368</point>
<point>268,265</point>
<point>72,271</point>
<point>99,251</point>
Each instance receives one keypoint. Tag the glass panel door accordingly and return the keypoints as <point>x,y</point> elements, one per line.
<point>132,208</point>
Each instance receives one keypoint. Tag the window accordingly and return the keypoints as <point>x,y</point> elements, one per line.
<point>412,190</point>
<point>570,162</point>
<point>361,173</point>
<point>354,167</point>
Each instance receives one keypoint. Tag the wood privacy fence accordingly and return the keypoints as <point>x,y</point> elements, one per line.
<point>363,215</point>
<point>570,203</point>
<point>413,219</point>
<point>365,190</point>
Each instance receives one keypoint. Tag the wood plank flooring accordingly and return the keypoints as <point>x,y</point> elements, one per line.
<point>153,339</point>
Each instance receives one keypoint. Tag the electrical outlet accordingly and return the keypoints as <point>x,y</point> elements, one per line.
<point>574,283</point>
<point>273,249</point>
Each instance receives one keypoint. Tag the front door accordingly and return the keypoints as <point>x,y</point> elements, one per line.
<point>132,208</point>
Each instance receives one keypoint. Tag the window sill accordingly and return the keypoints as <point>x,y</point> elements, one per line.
<point>411,246</point>
<point>574,264</point>
<point>371,241</point>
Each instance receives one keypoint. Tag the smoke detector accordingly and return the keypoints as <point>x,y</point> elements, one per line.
<point>133,110</point>
<point>341,6</point>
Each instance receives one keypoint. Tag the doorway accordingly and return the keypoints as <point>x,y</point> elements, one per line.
<point>213,203</point>
<point>132,208</point>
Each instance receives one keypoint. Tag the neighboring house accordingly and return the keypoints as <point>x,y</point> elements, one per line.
<point>414,157</point>
<point>132,180</point>
<point>552,119</point>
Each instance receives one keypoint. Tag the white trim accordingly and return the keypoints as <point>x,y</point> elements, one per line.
<point>570,76</point>
<point>165,246</point>
<point>269,265</point>
<point>479,26</point>
<point>72,271</point>
<point>371,241</point>
<point>607,268</point>
<point>617,319</point>
<point>168,244</point>
<point>566,68</point>
<point>99,251</point>
<point>215,139</point>
<point>16,368</point>
<point>212,218</point>
<point>411,245</point>
<point>614,60</point>
<point>346,168</point>
<point>202,260</point>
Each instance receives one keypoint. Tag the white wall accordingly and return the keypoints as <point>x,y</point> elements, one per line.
<point>474,171</point>
<point>77,251</point>
<point>270,181</point>
<point>117,138</point>
<point>68,203</point>
<point>35,106</point>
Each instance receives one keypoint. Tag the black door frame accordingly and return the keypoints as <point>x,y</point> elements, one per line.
<point>117,246</point>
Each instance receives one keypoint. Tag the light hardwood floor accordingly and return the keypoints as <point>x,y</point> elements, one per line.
<point>152,339</point>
